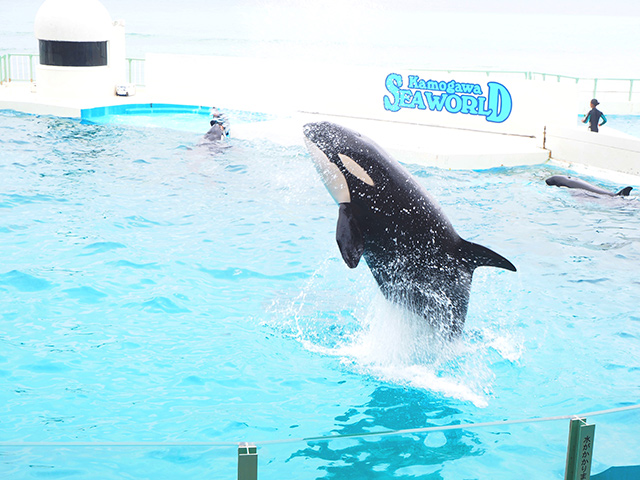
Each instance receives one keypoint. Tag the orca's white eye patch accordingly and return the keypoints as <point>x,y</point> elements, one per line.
<point>355,169</point>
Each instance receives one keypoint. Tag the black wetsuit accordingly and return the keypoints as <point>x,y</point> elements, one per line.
<point>593,117</point>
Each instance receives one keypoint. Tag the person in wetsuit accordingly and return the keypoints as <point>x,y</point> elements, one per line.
<point>219,118</point>
<point>594,116</point>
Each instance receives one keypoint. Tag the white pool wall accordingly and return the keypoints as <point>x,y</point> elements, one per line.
<point>605,150</point>
<point>541,126</point>
<point>352,91</point>
<point>353,96</point>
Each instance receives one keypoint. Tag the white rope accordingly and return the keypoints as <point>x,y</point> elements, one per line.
<point>463,426</point>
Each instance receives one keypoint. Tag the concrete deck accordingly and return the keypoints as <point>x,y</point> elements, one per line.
<point>24,97</point>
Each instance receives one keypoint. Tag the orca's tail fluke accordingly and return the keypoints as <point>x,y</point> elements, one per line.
<point>624,192</point>
<point>479,256</point>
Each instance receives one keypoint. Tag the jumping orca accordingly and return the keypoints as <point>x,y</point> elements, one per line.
<point>385,215</point>
<point>570,182</point>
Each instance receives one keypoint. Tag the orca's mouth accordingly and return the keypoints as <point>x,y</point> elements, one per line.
<point>308,130</point>
<point>331,175</point>
<point>312,131</point>
<point>325,135</point>
<point>317,134</point>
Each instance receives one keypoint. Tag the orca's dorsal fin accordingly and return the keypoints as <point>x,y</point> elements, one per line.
<point>479,256</point>
<point>349,236</point>
<point>624,192</point>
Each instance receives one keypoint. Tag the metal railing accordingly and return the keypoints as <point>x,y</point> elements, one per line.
<point>135,71</point>
<point>617,89</point>
<point>623,88</point>
<point>3,69</point>
<point>20,67</point>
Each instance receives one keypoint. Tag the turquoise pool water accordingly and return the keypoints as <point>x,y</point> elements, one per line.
<point>629,124</point>
<point>188,118</point>
<point>155,290</point>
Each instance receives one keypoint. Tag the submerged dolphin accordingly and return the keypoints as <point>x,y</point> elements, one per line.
<point>570,182</point>
<point>411,248</point>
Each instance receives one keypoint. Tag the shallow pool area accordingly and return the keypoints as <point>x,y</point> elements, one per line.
<point>187,118</point>
<point>627,124</point>
<point>157,289</point>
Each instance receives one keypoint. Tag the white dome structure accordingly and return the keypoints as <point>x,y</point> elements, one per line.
<point>81,49</point>
<point>73,21</point>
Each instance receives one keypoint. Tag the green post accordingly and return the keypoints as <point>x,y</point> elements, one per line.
<point>585,451</point>
<point>595,87</point>
<point>31,68</point>
<point>579,450</point>
<point>630,88</point>
<point>247,462</point>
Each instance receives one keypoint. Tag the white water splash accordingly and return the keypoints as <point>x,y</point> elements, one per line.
<point>396,346</point>
<point>377,338</point>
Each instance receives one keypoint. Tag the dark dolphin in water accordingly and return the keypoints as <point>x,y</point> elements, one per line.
<point>385,215</point>
<point>216,139</point>
<point>570,182</point>
<point>215,133</point>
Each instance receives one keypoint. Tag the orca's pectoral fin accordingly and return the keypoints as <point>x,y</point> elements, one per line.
<point>349,236</point>
<point>624,192</point>
<point>479,256</point>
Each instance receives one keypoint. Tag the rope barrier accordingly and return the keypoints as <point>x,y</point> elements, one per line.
<point>463,426</point>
